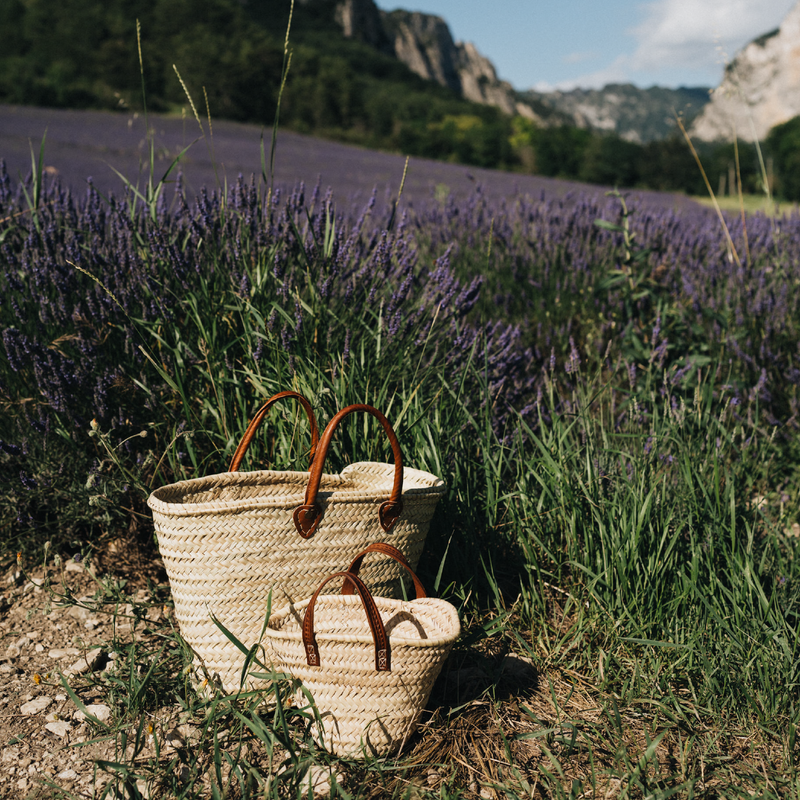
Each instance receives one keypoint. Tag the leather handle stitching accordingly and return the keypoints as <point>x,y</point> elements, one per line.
<point>379,637</point>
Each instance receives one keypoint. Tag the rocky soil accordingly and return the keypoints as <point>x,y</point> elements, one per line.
<point>46,642</point>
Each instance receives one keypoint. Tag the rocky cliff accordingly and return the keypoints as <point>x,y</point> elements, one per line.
<point>423,42</point>
<point>760,88</point>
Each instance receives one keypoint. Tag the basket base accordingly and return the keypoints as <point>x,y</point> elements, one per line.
<point>383,736</point>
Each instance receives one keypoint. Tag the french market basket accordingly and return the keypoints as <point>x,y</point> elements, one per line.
<point>229,540</point>
<point>368,662</point>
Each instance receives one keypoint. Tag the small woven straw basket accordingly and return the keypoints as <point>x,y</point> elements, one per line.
<point>229,540</point>
<point>368,662</point>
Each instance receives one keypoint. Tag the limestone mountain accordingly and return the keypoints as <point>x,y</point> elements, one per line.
<point>637,115</point>
<point>760,87</point>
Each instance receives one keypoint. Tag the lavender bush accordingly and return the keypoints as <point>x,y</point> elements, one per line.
<point>166,324</point>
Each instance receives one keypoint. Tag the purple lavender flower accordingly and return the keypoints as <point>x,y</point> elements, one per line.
<point>28,482</point>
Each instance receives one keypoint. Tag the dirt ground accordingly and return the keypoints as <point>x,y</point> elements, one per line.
<point>42,732</point>
<point>47,749</point>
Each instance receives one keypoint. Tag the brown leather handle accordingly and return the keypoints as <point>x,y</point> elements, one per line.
<point>387,550</point>
<point>383,661</point>
<point>307,517</point>
<point>238,456</point>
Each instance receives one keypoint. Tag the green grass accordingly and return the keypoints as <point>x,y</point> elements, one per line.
<point>753,204</point>
<point>629,575</point>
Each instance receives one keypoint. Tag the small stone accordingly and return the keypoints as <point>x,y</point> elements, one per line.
<point>320,779</point>
<point>60,698</point>
<point>58,653</point>
<point>74,566</point>
<point>14,577</point>
<point>10,754</point>
<point>68,775</point>
<point>39,648</point>
<point>89,662</point>
<point>487,793</point>
<point>51,717</point>
<point>144,788</point>
<point>433,778</point>
<point>175,739</point>
<point>97,710</point>
<point>22,642</point>
<point>12,652</point>
<point>22,783</point>
<point>92,623</point>
<point>35,706</point>
<point>190,733</point>
<point>6,668</point>
<point>60,728</point>
<point>24,763</point>
<point>78,612</point>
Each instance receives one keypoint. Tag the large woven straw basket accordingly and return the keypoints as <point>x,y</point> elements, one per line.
<point>369,663</point>
<point>230,541</point>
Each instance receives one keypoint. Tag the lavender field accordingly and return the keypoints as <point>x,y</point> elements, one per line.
<point>607,384</point>
<point>84,144</point>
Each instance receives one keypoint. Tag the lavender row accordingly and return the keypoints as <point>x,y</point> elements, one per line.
<point>522,283</point>
<point>82,278</point>
<point>685,298</point>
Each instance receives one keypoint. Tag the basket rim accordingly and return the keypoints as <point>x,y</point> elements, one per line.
<point>422,485</point>
<point>447,613</point>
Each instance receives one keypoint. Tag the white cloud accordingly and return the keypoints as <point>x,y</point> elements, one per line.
<point>698,34</point>
<point>577,58</point>
<point>679,40</point>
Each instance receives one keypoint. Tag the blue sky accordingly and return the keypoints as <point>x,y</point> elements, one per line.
<point>589,43</point>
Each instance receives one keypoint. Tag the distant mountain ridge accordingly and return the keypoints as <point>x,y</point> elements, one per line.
<point>424,43</point>
<point>637,115</point>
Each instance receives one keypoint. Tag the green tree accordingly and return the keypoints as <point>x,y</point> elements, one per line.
<point>610,160</point>
<point>559,151</point>
<point>783,146</point>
